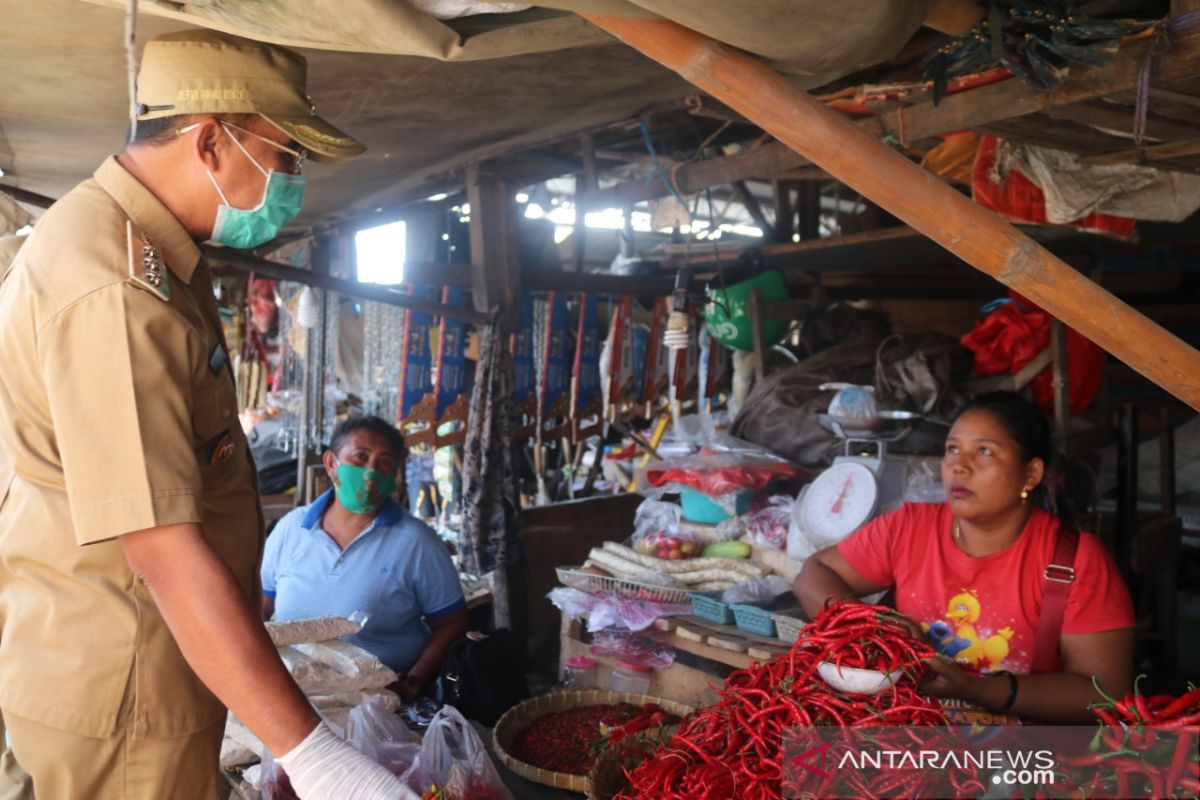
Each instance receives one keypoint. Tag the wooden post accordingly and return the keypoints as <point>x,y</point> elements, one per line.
<point>756,327</point>
<point>975,235</point>
<point>783,211</point>
<point>495,277</point>
<point>585,184</point>
<point>1059,382</point>
<point>746,198</point>
<point>494,284</point>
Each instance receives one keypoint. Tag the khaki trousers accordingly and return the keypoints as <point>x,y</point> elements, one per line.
<point>65,766</point>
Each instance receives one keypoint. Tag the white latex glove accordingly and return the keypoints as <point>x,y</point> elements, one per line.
<point>326,767</point>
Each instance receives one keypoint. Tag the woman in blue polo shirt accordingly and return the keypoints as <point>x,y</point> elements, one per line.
<point>355,549</point>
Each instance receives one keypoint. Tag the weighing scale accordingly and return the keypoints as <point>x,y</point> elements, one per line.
<point>861,481</point>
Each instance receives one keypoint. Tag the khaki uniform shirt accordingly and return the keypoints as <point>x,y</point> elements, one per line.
<point>117,413</point>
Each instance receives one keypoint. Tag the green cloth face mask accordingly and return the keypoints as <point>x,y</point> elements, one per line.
<point>283,195</point>
<point>355,483</point>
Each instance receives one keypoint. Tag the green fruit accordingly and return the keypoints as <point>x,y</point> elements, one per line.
<point>727,550</point>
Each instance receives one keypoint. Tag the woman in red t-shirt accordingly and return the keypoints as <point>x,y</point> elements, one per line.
<point>971,574</point>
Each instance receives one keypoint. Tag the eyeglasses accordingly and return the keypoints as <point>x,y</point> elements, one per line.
<point>298,154</point>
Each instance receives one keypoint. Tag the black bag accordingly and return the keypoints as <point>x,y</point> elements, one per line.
<point>485,677</point>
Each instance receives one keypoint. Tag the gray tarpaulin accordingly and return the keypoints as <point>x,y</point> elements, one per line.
<point>425,95</point>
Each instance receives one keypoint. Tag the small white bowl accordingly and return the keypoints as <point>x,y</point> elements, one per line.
<point>852,680</point>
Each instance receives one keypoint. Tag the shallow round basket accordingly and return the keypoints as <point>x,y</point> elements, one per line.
<point>607,778</point>
<point>518,717</point>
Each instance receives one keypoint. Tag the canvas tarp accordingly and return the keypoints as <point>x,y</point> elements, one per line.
<point>426,96</point>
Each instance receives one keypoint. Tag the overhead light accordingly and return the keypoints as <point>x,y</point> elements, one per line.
<point>522,197</point>
<point>434,198</point>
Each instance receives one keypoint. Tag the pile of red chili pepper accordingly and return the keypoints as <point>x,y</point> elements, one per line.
<point>568,741</point>
<point>735,747</point>
<point>1131,761</point>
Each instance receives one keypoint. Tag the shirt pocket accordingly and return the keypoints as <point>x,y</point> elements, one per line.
<point>213,418</point>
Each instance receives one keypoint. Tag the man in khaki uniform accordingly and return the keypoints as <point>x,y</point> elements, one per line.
<point>130,526</point>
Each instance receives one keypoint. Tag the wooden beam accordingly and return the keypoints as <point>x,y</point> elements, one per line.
<point>954,17</point>
<point>1062,404</point>
<point>929,205</point>
<point>594,283</point>
<point>987,104</point>
<point>1160,152</point>
<point>785,213</point>
<point>244,262</point>
<point>1120,118</point>
<point>26,196</point>
<point>495,281</point>
<point>585,183</point>
<point>747,198</point>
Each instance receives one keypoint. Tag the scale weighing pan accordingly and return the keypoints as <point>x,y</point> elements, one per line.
<point>884,425</point>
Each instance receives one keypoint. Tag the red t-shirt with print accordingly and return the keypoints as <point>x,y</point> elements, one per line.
<point>983,612</point>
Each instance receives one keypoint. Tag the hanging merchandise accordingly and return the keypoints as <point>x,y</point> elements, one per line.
<point>415,406</point>
<point>1000,187</point>
<point>654,375</point>
<point>308,312</point>
<point>554,368</point>
<point>621,374</point>
<point>587,401</point>
<point>490,535</point>
<point>524,385</point>
<point>718,372</point>
<point>329,391</point>
<point>383,334</point>
<point>727,312</point>
<point>685,368</point>
<point>1011,336</point>
<point>450,390</point>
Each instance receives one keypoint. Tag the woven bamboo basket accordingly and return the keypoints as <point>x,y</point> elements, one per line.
<point>607,777</point>
<point>518,717</point>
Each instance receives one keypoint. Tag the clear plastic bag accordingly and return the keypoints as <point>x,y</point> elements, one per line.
<point>756,590</point>
<point>637,648</point>
<point>768,527</point>
<point>656,532</point>
<point>608,609</point>
<point>724,466</point>
<point>383,736</point>
<point>454,761</point>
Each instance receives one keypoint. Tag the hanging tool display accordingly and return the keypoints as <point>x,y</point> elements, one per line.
<point>718,373</point>
<point>525,394</point>
<point>553,368</point>
<point>622,379</point>
<point>654,367</point>
<point>684,355</point>
<point>416,410</point>
<point>452,401</point>
<point>587,401</point>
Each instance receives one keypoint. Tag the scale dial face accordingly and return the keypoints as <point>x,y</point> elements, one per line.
<point>839,500</point>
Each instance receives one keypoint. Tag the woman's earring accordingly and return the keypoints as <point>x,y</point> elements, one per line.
<point>1024,495</point>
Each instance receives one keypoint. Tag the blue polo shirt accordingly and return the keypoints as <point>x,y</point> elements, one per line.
<point>397,570</point>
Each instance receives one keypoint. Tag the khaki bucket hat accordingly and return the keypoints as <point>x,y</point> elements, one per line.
<point>206,72</point>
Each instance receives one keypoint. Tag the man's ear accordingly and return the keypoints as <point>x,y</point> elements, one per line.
<point>207,145</point>
<point>330,464</point>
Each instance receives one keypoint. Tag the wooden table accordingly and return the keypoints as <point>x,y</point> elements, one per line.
<point>705,654</point>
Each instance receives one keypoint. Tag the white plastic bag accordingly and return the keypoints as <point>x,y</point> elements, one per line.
<point>756,590</point>
<point>454,760</point>
<point>768,527</point>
